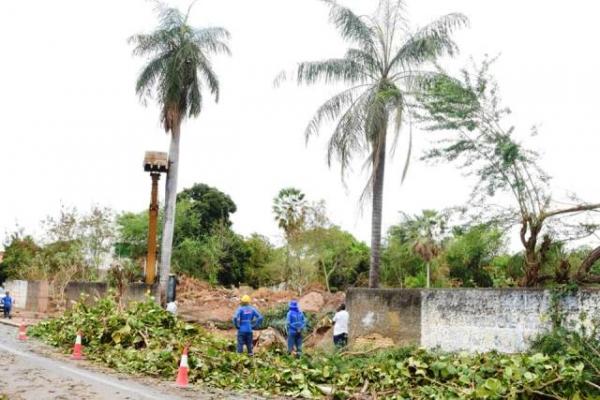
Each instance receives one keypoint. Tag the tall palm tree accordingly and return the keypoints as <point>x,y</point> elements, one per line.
<point>383,69</point>
<point>178,70</point>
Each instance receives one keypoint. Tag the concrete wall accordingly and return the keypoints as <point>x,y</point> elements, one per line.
<point>92,290</point>
<point>35,296</point>
<point>18,291</point>
<point>463,319</point>
<point>392,313</point>
<point>29,295</point>
<point>95,290</point>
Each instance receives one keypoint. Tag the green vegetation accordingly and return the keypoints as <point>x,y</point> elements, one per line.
<point>145,339</point>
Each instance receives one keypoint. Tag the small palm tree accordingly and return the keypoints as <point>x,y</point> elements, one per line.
<point>177,71</point>
<point>289,209</point>
<point>383,68</point>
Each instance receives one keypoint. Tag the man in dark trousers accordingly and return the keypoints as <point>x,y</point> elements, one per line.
<point>245,319</point>
<point>7,303</point>
<point>340,329</point>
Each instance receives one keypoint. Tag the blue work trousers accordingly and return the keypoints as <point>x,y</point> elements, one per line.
<point>295,341</point>
<point>244,339</point>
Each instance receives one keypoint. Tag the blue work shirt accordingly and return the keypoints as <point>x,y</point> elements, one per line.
<point>7,301</point>
<point>295,321</point>
<point>246,318</point>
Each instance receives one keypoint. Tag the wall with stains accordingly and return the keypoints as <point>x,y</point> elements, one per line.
<point>505,320</point>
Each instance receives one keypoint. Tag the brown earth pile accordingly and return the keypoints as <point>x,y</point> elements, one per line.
<point>198,301</point>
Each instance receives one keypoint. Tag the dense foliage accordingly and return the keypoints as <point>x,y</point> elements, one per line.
<point>145,339</point>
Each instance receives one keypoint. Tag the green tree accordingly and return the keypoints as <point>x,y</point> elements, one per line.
<point>383,69</point>
<point>426,232</point>
<point>94,232</point>
<point>132,235</point>
<point>477,137</point>
<point>199,209</point>
<point>470,251</point>
<point>414,237</point>
<point>178,68</point>
<point>338,255</point>
<point>261,255</point>
<point>19,253</point>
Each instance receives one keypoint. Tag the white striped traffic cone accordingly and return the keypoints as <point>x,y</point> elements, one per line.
<point>77,348</point>
<point>182,374</point>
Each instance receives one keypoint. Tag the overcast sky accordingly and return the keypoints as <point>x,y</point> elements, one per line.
<point>73,131</point>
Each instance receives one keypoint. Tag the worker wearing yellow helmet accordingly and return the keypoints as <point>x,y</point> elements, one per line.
<point>245,319</point>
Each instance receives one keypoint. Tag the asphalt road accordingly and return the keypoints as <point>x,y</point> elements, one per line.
<point>33,371</point>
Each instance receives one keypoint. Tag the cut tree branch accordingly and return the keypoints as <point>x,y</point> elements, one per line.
<point>579,208</point>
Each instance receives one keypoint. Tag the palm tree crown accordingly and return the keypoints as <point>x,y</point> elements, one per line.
<point>383,69</point>
<point>179,65</point>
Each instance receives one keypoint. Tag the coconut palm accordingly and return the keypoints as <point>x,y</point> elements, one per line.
<point>177,72</point>
<point>382,69</point>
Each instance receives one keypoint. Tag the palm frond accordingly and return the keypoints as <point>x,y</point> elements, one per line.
<point>208,74</point>
<point>213,40</point>
<point>170,17</point>
<point>369,63</point>
<point>399,108</point>
<point>150,74</point>
<point>155,42</point>
<point>330,110</point>
<point>348,137</point>
<point>408,153</point>
<point>194,97</point>
<point>430,42</point>
<point>351,26</point>
<point>328,71</point>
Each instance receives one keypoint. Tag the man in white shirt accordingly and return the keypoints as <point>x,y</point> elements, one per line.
<point>340,329</point>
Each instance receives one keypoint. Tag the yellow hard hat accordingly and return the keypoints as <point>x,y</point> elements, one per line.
<point>246,299</point>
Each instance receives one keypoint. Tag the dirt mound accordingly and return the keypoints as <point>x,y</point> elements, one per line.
<point>333,301</point>
<point>312,302</point>
<point>200,302</point>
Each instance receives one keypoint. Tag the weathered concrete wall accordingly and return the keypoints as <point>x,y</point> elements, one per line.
<point>483,319</point>
<point>37,296</point>
<point>92,290</point>
<point>95,290</point>
<point>138,291</point>
<point>29,295</point>
<point>18,291</point>
<point>464,319</point>
<point>389,312</point>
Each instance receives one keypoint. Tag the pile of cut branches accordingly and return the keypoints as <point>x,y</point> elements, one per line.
<point>145,339</point>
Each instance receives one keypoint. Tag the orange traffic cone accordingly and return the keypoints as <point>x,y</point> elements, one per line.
<point>77,348</point>
<point>182,374</point>
<point>22,332</point>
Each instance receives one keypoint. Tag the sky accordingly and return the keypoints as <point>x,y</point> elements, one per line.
<point>74,132</point>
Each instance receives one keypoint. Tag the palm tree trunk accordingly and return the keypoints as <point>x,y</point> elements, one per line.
<point>169,221</point>
<point>378,174</point>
